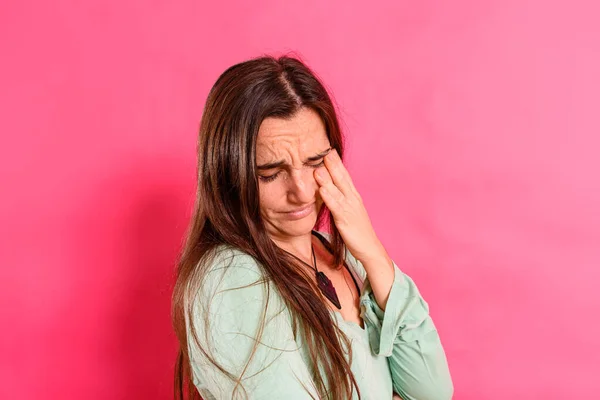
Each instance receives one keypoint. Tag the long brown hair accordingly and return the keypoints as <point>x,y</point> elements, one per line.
<point>226,211</point>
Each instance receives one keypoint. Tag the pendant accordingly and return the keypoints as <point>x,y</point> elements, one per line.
<point>327,289</point>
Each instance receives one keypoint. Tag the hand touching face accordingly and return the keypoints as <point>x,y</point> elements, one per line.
<point>288,151</point>
<point>347,208</point>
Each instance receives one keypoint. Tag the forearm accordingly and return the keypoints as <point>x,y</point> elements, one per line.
<point>380,272</point>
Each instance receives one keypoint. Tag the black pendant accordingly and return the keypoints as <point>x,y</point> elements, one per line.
<point>327,289</point>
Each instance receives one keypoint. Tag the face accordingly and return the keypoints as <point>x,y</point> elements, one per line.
<point>287,153</point>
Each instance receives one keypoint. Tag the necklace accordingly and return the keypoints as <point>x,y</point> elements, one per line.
<point>323,282</point>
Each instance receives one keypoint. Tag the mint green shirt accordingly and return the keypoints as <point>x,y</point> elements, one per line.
<point>398,351</point>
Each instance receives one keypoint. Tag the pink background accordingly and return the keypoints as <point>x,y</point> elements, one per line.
<point>472,135</point>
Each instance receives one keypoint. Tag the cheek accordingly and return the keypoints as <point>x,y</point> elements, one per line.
<point>270,197</point>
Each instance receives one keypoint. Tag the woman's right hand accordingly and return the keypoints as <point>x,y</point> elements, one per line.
<point>396,397</point>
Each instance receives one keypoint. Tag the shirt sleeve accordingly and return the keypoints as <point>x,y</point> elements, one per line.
<point>228,314</point>
<point>406,334</point>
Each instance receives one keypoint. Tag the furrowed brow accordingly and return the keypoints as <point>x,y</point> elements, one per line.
<point>281,162</point>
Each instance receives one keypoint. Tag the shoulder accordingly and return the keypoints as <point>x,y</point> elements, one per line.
<point>233,294</point>
<point>228,271</point>
<point>228,262</point>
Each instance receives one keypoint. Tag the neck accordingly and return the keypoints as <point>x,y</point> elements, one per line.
<point>300,246</point>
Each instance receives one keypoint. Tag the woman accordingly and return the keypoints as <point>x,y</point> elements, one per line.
<point>267,307</point>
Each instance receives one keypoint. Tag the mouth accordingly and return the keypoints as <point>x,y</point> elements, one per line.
<point>300,212</point>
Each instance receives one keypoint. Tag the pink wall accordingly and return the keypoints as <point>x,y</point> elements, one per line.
<point>473,137</point>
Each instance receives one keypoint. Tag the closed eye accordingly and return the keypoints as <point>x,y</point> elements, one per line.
<point>271,178</point>
<point>319,164</point>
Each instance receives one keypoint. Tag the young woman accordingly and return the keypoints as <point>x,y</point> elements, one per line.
<point>265,305</point>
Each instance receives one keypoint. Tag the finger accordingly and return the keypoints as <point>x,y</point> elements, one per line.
<point>324,179</point>
<point>339,174</point>
<point>332,200</point>
<point>330,194</point>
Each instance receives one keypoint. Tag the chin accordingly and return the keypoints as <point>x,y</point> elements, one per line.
<point>299,227</point>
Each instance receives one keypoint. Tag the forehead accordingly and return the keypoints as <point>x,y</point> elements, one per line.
<point>304,131</point>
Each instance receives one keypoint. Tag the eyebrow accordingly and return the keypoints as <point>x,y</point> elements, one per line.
<point>281,162</point>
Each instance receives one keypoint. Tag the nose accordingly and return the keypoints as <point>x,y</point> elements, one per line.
<point>301,186</point>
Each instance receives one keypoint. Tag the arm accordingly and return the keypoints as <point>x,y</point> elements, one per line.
<point>233,303</point>
<point>405,333</point>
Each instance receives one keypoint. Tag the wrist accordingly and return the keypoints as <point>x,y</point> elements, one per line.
<point>378,258</point>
